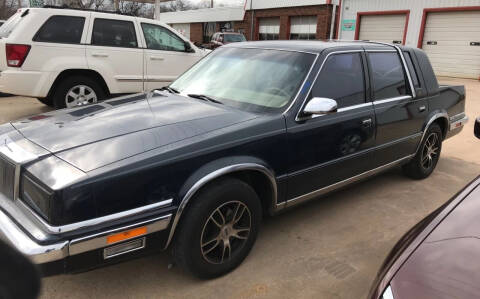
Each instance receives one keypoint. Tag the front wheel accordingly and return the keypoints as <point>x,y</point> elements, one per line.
<point>219,229</point>
<point>425,161</point>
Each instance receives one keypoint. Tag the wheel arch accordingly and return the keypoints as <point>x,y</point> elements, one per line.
<point>78,72</point>
<point>252,171</point>
<point>440,117</point>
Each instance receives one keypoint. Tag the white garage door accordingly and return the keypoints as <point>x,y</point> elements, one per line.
<point>184,29</point>
<point>304,27</point>
<point>452,42</point>
<point>383,28</point>
<point>269,28</point>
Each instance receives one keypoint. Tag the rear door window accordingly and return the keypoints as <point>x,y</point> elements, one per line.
<point>342,79</point>
<point>114,33</point>
<point>388,76</point>
<point>61,29</point>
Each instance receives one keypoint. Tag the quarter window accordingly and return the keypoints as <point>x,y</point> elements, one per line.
<point>342,79</point>
<point>61,29</point>
<point>413,72</point>
<point>387,75</point>
<point>114,33</point>
<point>159,38</point>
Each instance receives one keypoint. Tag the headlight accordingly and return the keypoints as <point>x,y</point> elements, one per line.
<point>388,294</point>
<point>37,197</point>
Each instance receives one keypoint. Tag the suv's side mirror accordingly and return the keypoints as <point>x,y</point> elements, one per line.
<point>477,127</point>
<point>188,48</point>
<point>319,106</point>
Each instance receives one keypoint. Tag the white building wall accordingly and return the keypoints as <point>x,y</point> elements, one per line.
<point>351,7</point>
<point>265,4</point>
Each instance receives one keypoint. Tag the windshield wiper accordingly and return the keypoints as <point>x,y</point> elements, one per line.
<point>169,89</point>
<point>204,97</point>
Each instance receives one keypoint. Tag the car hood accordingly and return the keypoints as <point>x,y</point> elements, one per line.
<point>446,264</point>
<point>93,136</point>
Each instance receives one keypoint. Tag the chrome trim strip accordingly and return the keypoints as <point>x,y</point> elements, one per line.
<point>354,107</point>
<point>97,241</point>
<point>298,117</point>
<point>378,102</point>
<point>12,234</point>
<point>95,221</point>
<point>386,51</point>
<point>213,175</point>
<point>143,242</point>
<point>432,119</point>
<point>275,49</point>
<point>458,123</point>
<point>324,190</point>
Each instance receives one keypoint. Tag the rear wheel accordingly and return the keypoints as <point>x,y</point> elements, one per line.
<point>219,229</point>
<point>77,91</point>
<point>425,161</point>
<point>46,101</point>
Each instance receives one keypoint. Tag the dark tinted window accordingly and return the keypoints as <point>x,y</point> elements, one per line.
<point>61,29</point>
<point>114,33</point>
<point>388,75</point>
<point>342,79</point>
<point>413,72</point>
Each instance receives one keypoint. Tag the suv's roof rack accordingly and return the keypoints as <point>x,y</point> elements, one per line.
<point>88,9</point>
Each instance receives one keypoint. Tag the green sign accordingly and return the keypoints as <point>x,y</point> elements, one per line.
<point>36,3</point>
<point>348,25</point>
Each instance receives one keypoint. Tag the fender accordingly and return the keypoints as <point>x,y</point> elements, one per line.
<point>213,170</point>
<point>433,116</point>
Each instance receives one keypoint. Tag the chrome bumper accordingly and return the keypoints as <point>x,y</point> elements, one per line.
<point>11,233</point>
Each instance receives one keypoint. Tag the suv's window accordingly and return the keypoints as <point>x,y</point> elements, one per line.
<point>387,75</point>
<point>342,79</point>
<point>61,29</point>
<point>114,33</point>
<point>413,72</point>
<point>159,38</point>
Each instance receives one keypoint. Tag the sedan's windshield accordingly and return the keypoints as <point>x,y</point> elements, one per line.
<point>250,79</point>
<point>233,38</point>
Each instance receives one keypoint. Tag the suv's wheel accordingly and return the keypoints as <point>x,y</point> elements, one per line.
<point>219,229</point>
<point>424,162</point>
<point>77,91</point>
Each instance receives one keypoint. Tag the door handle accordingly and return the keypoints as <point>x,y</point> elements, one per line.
<point>99,55</point>
<point>367,123</point>
<point>422,108</point>
<point>156,58</point>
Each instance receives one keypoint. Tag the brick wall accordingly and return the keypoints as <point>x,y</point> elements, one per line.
<point>323,13</point>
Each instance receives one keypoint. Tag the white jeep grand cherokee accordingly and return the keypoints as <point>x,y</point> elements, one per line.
<point>67,58</point>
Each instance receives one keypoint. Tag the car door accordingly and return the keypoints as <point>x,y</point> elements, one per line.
<point>399,115</point>
<point>327,149</point>
<point>115,52</point>
<point>166,55</point>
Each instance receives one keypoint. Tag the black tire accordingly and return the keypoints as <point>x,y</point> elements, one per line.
<point>66,84</point>
<point>421,166</point>
<point>46,101</point>
<point>196,223</point>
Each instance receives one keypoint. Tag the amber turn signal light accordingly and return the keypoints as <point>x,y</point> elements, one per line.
<point>127,235</point>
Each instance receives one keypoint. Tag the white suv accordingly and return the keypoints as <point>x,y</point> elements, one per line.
<point>68,57</point>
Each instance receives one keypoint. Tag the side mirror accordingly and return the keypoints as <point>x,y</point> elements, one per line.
<point>477,127</point>
<point>188,48</point>
<point>320,106</point>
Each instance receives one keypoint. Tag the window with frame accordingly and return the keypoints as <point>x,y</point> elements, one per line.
<point>388,76</point>
<point>61,29</point>
<point>342,79</point>
<point>160,38</point>
<point>411,67</point>
<point>303,27</point>
<point>114,33</point>
<point>269,29</point>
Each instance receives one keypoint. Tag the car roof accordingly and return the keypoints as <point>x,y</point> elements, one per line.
<point>315,46</point>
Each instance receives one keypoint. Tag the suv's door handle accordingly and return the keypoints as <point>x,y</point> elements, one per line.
<point>367,123</point>
<point>157,58</point>
<point>99,55</point>
<point>422,108</point>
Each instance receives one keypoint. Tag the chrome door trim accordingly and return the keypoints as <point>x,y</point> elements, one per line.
<point>213,175</point>
<point>298,117</point>
<point>302,198</point>
<point>96,221</point>
<point>354,107</point>
<point>388,100</point>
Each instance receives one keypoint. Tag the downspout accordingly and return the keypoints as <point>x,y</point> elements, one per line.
<point>332,21</point>
<point>252,19</point>
<point>340,19</point>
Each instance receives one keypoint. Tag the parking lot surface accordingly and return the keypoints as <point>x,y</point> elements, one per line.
<point>328,248</point>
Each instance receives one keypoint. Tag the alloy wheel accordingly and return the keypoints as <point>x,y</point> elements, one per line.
<point>80,95</point>
<point>225,232</point>
<point>430,150</point>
